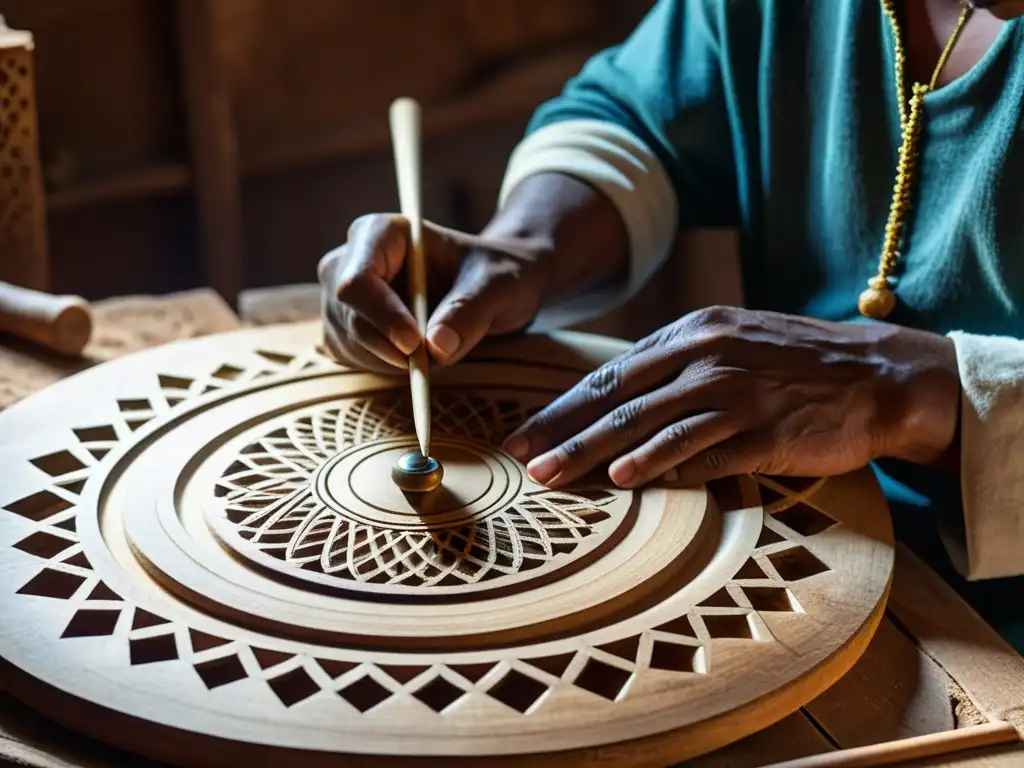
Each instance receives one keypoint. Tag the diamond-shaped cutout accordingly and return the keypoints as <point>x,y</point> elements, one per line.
<point>102,434</point>
<point>771,599</point>
<point>39,506</point>
<point>218,672</point>
<point>150,650</point>
<point>796,563</point>
<point>673,657</point>
<point>51,583</point>
<point>228,373</point>
<point>805,520</point>
<point>89,622</point>
<point>439,694</point>
<point>60,463</point>
<point>294,686</point>
<point>127,406</point>
<point>365,693</point>
<point>603,679</point>
<point>174,382</point>
<point>728,626</point>
<point>44,545</point>
<point>518,691</point>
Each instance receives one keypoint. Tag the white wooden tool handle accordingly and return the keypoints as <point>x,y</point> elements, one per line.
<point>405,136</point>
<point>61,323</point>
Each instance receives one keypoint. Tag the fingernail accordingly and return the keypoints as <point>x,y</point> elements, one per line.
<point>622,471</point>
<point>518,446</point>
<point>543,468</point>
<point>445,340</point>
<point>406,339</point>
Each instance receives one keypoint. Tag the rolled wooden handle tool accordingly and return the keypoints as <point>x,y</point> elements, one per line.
<point>405,136</point>
<point>61,323</point>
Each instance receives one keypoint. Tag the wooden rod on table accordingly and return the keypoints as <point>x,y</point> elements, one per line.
<point>405,136</point>
<point>61,323</point>
<point>916,748</point>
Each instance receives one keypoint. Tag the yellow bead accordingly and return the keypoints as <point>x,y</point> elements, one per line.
<point>415,473</point>
<point>878,301</point>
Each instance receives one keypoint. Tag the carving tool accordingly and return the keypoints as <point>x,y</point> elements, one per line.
<point>61,323</point>
<point>414,472</point>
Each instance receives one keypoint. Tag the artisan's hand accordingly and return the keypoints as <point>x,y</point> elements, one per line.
<point>479,287</point>
<point>727,391</point>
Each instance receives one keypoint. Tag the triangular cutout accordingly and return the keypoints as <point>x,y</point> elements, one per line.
<point>99,453</point>
<point>80,560</point>
<point>680,626</point>
<point>334,668</point>
<point>267,658</point>
<point>721,599</point>
<point>472,672</point>
<point>102,592</point>
<point>75,486</point>
<point>275,357</point>
<point>201,641</point>
<point>145,619</point>
<point>767,538</point>
<point>401,673</point>
<point>68,525</point>
<point>624,649</point>
<point>751,570</point>
<point>553,665</point>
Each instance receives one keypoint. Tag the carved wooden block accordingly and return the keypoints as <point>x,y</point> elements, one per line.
<point>204,560</point>
<point>23,254</point>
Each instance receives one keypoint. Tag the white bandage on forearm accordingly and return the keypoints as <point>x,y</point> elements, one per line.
<point>992,456</point>
<point>620,165</point>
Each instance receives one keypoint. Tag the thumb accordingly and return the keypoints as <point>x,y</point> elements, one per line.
<point>484,290</point>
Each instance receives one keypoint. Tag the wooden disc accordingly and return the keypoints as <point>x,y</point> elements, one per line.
<point>204,560</point>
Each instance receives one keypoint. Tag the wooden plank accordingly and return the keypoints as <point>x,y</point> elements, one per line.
<point>793,737</point>
<point>990,672</point>
<point>995,757</point>
<point>214,148</point>
<point>893,692</point>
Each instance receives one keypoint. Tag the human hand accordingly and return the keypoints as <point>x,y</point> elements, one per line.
<point>477,287</point>
<point>728,391</point>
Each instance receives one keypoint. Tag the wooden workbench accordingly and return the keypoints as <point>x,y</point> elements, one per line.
<point>933,666</point>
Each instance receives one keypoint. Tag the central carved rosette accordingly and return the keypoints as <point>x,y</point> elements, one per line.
<point>317,497</point>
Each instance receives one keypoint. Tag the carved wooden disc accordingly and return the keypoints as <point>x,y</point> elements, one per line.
<point>203,559</point>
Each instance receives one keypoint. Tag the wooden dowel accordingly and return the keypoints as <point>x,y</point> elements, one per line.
<point>916,748</point>
<point>405,136</point>
<point>60,323</point>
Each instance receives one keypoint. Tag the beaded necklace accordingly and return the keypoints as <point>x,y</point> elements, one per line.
<point>879,300</point>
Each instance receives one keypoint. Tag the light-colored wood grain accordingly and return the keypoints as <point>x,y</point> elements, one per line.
<point>650,639</point>
<point>795,736</point>
<point>992,757</point>
<point>899,752</point>
<point>60,323</point>
<point>989,671</point>
<point>405,118</point>
<point>120,326</point>
<point>893,692</point>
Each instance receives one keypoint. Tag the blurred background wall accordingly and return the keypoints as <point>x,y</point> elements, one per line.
<point>230,143</point>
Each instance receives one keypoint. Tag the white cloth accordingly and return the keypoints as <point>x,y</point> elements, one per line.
<point>616,162</point>
<point>991,541</point>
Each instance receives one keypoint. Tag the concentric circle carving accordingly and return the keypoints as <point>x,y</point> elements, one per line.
<point>210,530</point>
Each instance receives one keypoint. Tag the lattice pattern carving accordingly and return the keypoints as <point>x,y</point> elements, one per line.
<point>22,211</point>
<point>682,645</point>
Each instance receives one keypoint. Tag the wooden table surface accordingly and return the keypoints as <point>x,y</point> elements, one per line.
<point>934,665</point>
